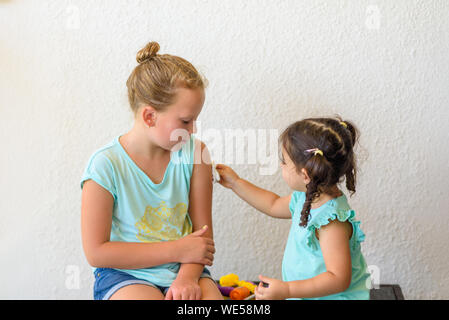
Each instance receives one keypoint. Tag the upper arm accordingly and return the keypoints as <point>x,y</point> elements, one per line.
<point>96,217</point>
<point>200,197</point>
<point>334,242</point>
<point>281,208</point>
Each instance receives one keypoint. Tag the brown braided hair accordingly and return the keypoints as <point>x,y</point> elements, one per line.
<point>336,139</point>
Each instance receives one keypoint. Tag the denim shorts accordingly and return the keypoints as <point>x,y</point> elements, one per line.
<point>108,281</point>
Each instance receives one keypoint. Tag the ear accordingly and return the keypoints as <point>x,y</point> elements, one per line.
<point>149,115</point>
<point>305,176</point>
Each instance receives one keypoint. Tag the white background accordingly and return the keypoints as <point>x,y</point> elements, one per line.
<point>382,64</point>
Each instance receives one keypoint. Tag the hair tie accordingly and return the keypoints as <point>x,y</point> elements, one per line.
<point>315,151</point>
<point>344,124</point>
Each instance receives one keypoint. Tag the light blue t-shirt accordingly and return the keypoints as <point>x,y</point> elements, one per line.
<point>145,211</point>
<point>303,258</point>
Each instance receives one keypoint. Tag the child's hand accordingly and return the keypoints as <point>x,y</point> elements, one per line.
<point>184,289</point>
<point>276,290</point>
<point>194,248</point>
<point>228,177</point>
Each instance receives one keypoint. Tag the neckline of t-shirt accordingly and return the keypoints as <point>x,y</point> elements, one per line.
<point>134,164</point>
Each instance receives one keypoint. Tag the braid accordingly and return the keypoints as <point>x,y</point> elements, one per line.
<point>352,136</point>
<point>311,194</point>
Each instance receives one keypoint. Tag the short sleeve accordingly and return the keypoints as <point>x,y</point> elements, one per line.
<point>295,201</point>
<point>325,217</point>
<point>100,170</point>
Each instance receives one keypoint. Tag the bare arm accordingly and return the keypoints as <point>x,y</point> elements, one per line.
<point>96,220</point>
<point>263,200</point>
<point>186,285</point>
<point>334,243</point>
<point>200,202</point>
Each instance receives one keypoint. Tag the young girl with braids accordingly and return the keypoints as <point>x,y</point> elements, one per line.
<point>322,258</point>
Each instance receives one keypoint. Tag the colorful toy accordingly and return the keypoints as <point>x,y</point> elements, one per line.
<point>229,280</point>
<point>239,293</point>
<point>250,286</point>
<point>225,291</point>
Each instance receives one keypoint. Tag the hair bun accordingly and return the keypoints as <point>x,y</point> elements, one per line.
<point>148,52</point>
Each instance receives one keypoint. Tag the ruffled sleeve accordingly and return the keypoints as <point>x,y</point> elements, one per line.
<point>325,217</point>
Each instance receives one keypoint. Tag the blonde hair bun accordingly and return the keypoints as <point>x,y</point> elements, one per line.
<point>147,53</point>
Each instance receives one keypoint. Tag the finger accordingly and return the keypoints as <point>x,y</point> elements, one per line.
<point>258,294</point>
<point>198,294</point>
<point>207,262</point>
<point>201,231</point>
<point>265,279</point>
<point>220,166</point>
<point>189,295</point>
<point>169,295</point>
<point>211,249</point>
<point>177,295</point>
<point>210,257</point>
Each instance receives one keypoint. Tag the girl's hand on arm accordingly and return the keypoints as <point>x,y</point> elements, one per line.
<point>96,220</point>
<point>186,285</point>
<point>184,288</point>
<point>196,248</point>
<point>263,200</point>
<point>228,177</point>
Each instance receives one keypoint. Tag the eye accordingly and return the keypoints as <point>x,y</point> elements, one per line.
<point>186,121</point>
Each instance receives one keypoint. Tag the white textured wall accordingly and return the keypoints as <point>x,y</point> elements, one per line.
<point>383,64</point>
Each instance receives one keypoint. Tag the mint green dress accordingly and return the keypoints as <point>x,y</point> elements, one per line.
<point>303,258</point>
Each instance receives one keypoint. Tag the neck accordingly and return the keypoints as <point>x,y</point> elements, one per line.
<point>137,142</point>
<point>334,192</point>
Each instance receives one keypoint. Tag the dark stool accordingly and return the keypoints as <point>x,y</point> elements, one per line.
<point>387,292</point>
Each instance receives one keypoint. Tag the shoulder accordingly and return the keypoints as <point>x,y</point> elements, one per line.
<point>201,153</point>
<point>336,209</point>
<point>337,217</point>
<point>296,201</point>
<point>106,154</point>
<point>101,167</point>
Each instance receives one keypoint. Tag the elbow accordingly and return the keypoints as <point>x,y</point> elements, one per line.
<point>93,257</point>
<point>341,282</point>
<point>92,260</point>
<point>344,283</point>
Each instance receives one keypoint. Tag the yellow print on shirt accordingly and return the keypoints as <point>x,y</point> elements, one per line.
<point>163,223</point>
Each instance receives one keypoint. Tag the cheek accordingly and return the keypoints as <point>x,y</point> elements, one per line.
<point>285,175</point>
<point>173,134</point>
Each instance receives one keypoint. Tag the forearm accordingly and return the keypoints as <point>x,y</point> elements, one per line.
<point>259,198</point>
<point>133,255</point>
<point>322,285</point>
<point>191,271</point>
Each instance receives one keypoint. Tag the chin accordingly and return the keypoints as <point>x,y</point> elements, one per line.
<point>175,146</point>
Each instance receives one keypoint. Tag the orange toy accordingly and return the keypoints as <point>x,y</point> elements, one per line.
<point>239,293</point>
